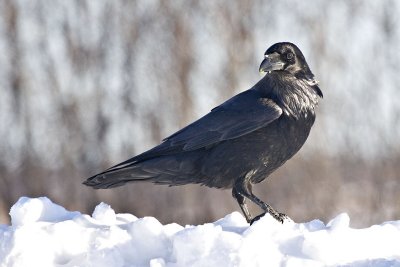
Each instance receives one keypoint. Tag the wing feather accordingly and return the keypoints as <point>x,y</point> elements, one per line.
<point>238,116</point>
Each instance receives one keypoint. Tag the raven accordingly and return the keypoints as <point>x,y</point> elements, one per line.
<point>239,143</point>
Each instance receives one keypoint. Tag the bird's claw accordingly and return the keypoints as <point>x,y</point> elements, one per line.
<point>257,218</point>
<point>280,217</point>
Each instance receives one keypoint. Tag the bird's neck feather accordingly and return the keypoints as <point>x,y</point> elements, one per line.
<point>295,96</point>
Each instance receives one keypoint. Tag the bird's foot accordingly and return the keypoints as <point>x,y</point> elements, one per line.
<point>280,217</point>
<point>257,218</point>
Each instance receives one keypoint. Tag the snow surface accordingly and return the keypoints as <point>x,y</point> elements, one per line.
<point>45,234</point>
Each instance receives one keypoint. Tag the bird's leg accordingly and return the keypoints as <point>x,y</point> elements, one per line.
<point>243,188</point>
<point>242,203</point>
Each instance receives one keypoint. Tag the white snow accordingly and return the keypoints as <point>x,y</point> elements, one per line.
<point>45,234</point>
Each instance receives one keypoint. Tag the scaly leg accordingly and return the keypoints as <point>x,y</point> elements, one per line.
<point>242,203</point>
<point>242,187</point>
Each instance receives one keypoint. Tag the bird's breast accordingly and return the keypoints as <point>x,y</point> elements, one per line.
<point>260,152</point>
<point>280,142</point>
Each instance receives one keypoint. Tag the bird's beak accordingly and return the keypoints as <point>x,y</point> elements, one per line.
<point>270,63</point>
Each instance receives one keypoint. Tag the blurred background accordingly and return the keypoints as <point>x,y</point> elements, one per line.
<point>87,84</point>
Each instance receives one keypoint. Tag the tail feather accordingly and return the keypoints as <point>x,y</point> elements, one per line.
<point>163,170</point>
<point>118,177</point>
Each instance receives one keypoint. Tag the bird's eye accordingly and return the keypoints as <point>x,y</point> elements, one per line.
<point>290,55</point>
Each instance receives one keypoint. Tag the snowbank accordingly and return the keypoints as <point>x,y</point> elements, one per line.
<point>45,234</point>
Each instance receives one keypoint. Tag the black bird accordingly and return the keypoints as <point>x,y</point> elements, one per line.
<point>239,143</point>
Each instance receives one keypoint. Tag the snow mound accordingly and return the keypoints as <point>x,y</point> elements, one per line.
<point>45,234</point>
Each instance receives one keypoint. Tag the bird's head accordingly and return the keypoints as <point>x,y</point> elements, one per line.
<point>288,58</point>
<point>285,57</point>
